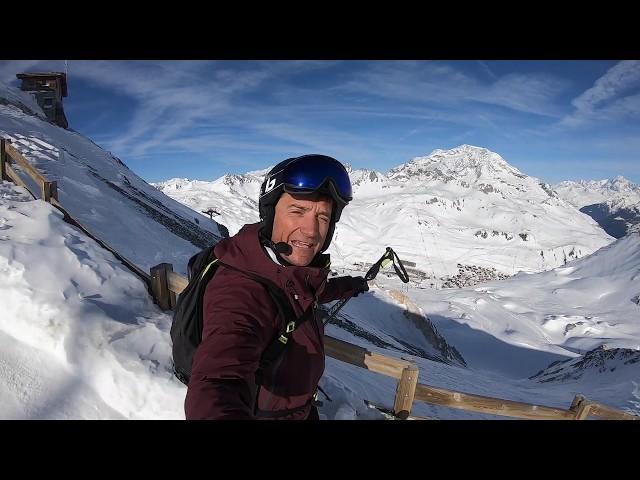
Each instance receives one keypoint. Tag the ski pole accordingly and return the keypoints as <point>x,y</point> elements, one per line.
<point>388,257</point>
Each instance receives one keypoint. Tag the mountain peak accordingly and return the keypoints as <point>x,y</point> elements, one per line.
<point>465,163</point>
<point>617,184</point>
<point>620,183</point>
<point>365,175</point>
<point>464,148</point>
<point>600,360</point>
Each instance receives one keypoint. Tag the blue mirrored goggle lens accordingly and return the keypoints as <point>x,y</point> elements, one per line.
<point>312,171</point>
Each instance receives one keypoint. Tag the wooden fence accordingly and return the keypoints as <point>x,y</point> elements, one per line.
<point>164,285</point>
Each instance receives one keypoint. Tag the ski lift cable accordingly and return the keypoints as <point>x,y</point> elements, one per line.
<point>424,246</point>
<point>437,250</point>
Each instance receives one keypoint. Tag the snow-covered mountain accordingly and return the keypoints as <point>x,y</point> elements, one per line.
<point>143,224</point>
<point>461,215</point>
<point>600,360</point>
<point>590,192</point>
<point>233,198</point>
<point>616,217</point>
<point>614,204</point>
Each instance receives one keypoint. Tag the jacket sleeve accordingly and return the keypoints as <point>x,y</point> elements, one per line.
<point>238,324</point>
<point>337,288</point>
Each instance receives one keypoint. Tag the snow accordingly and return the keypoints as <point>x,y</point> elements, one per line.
<point>618,190</point>
<point>80,337</point>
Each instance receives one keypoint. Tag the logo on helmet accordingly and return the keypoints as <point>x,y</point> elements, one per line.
<point>270,184</point>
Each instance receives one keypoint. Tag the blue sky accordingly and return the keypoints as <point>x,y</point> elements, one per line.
<point>555,120</point>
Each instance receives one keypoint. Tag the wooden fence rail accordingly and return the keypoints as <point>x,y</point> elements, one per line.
<point>490,405</point>
<point>12,175</point>
<point>164,285</point>
<point>9,154</point>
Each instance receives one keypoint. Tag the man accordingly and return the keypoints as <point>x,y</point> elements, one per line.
<point>301,199</point>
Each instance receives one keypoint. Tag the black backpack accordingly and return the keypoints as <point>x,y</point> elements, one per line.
<point>186,329</point>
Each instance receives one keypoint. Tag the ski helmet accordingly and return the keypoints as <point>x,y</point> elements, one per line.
<point>305,175</point>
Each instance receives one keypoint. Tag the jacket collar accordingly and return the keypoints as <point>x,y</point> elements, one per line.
<point>245,252</point>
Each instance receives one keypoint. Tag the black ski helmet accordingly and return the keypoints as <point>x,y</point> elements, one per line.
<point>304,175</point>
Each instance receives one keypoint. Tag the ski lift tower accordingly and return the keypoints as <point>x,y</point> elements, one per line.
<point>211,212</point>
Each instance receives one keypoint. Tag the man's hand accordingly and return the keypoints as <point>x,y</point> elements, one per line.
<point>359,285</point>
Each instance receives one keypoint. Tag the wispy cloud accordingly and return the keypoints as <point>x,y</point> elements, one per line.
<point>303,139</point>
<point>410,133</point>
<point>439,84</point>
<point>411,81</point>
<point>173,98</point>
<point>169,96</point>
<point>486,68</point>
<point>614,95</point>
<point>525,93</point>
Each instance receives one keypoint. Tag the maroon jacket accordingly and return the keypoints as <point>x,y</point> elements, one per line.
<point>241,320</point>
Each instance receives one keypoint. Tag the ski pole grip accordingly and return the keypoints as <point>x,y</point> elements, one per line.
<point>373,271</point>
<point>375,268</point>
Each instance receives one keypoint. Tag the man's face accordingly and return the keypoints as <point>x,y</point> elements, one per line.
<point>302,221</point>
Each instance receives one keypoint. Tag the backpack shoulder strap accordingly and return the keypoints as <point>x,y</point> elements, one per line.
<point>291,322</point>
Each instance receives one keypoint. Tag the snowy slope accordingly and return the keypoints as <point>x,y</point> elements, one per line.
<point>103,194</point>
<point>566,311</point>
<point>79,335</point>
<point>26,103</point>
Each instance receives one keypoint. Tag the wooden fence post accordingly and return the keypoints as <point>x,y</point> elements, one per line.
<point>49,191</point>
<point>3,159</point>
<point>165,298</point>
<point>405,392</point>
<point>581,407</point>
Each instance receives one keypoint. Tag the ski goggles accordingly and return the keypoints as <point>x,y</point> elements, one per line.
<point>311,173</point>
